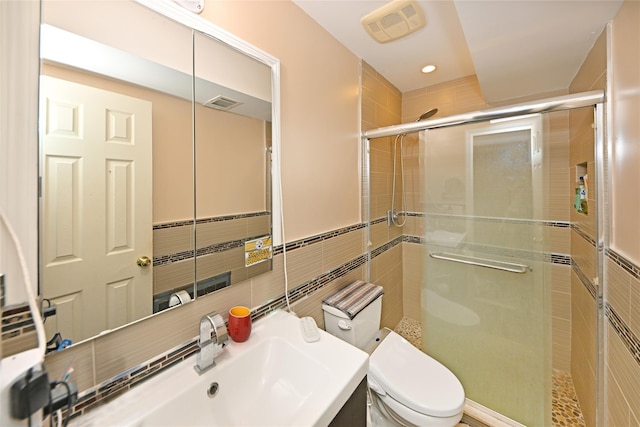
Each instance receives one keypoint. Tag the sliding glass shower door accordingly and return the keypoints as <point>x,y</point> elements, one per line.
<point>486,292</point>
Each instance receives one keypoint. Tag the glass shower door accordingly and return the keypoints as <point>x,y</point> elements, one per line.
<point>486,295</point>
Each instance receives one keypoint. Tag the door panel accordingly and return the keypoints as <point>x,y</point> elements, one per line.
<point>96,207</point>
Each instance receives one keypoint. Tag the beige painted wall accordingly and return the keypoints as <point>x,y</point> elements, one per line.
<point>230,163</point>
<point>622,395</point>
<point>625,80</point>
<point>320,111</point>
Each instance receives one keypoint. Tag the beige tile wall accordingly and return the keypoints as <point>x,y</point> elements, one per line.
<point>583,348</point>
<point>561,317</point>
<point>556,158</point>
<point>381,101</point>
<point>174,240</point>
<point>386,270</point>
<point>456,96</point>
<point>18,332</point>
<point>412,261</point>
<point>622,395</point>
<point>381,106</point>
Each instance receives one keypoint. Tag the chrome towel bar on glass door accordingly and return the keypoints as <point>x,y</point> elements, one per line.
<point>481,262</point>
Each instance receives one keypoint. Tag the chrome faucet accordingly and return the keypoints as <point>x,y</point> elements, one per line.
<point>213,339</point>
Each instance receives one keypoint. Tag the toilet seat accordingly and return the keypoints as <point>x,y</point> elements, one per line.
<point>414,379</point>
<point>386,403</point>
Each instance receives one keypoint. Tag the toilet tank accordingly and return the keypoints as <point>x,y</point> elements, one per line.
<point>359,331</point>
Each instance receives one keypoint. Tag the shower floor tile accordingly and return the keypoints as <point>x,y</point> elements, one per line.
<point>411,330</point>
<point>565,408</point>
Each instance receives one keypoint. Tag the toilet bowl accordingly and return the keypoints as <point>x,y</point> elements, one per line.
<point>407,386</point>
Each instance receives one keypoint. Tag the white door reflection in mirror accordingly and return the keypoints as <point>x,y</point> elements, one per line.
<point>96,207</point>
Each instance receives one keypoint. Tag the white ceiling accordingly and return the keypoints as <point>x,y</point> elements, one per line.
<point>515,47</point>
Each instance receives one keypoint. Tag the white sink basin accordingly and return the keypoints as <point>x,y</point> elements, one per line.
<point>273,379</point>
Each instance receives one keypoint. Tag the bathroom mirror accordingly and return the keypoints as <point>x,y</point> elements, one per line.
<point>155,162</point>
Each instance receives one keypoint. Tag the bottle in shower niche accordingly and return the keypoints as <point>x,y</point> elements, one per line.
<point>577,202</point>
<point>583,194</point>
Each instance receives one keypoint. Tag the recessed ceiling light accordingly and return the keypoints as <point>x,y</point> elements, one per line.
<point>428,69</point>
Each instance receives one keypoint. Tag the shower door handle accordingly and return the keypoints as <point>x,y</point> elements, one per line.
<point>481,262</point>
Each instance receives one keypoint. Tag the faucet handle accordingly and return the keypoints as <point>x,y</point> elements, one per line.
<point>213,328</point>
<point>220,330</point>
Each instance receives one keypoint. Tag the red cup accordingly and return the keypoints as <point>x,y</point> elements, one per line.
<point>239,327</point>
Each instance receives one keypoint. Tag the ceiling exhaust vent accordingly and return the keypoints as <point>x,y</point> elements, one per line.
<point>221,103</point>
<point>394,20</point>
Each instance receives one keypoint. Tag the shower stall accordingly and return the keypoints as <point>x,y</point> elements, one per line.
<point>488,195</point>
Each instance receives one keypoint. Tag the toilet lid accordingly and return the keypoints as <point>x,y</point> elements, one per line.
<point>414,379</point>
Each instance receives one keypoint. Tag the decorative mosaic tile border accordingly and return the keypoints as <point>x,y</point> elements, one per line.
<point>630,340</point>
<point>173,224</point>
<point>559,224</point>
<point>171,258</point>
<point>390,244</point>
<point>583,234</point>
<point>309,287</point>
<point>628,337</point>
<point>231,217</point>
<point>110,389</point>
<point>222,247</point>
<point>522,254</point>
<point>553,258</point>
<point>547,257</point>
<point>125,381</point>
<point>207,250</point>
<point>2,292</point>
<point>113,387</point>
<point>15,317</point>
<point>292,246</point>
<point>586,281</point>
<point>215,248</point>
<point>627,265</point>
<point>16,320</point>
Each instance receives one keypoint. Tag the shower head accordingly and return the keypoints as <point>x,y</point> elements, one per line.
<point>427,114</point>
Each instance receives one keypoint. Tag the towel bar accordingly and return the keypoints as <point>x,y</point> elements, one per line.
<point>481,262</point>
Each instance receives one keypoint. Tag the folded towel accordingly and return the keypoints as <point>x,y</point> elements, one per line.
<point>353,298</point>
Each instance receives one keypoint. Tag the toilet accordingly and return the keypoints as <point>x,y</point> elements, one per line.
<point>407,386</point>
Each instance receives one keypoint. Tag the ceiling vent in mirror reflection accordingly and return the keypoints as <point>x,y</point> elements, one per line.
<point>195,6</point>
<point>222,103</point>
